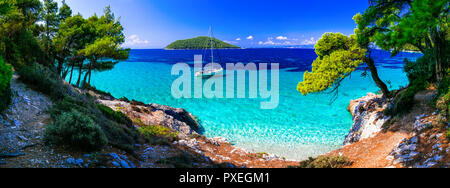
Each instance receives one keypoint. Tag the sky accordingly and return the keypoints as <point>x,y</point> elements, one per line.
<point>247,23</point>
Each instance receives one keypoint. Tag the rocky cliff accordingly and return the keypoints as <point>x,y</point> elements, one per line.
<point>411,140</point>
<point>368,117</point>
<point>207,150</point>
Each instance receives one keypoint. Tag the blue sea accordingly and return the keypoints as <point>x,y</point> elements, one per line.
<point>300,127</point>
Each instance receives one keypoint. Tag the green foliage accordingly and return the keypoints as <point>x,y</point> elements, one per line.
<point>443,107</point>
<point>420,74</point>
<point>339,56</point>
<point>5,80</point>
<point>444,87</point>
<point>398,25</point>
<point>123,136</point>
<point>30,47</point>
<point>97,91</point>
<point>421,71</point>
<point>5,99</point>
<point>151,131</point>
<point>199,43</point>
<point>18,42</point>
<point>76,130</point>
<point>325,162</point>
<point>49,16</point>
<point>404,100</point>
<point>64,11</point>
<point>118,117</point>
<point>43,79</point>
<point>413,27</point>
<point>102,41</point>
<point>5,6</point>
<point>5,75</point>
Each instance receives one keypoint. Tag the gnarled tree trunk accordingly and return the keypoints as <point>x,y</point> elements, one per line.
<point>374,72</point>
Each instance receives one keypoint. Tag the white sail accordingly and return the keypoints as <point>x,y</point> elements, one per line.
<point>211,71</point>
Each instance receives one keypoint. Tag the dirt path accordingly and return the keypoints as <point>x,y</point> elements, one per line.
<point>22,127</point>
<point>375,152</point>
<point>372,152</point>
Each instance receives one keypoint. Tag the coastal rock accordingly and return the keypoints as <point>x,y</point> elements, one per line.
<point>368,117</point>
<point>177,119</point>
<point>425,149</point>
<point>76,162</point>
<point>120,161</point>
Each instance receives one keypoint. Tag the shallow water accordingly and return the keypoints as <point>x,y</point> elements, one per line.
<point>301,126</point>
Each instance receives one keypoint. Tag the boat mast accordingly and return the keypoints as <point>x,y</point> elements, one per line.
<point>210,37</point>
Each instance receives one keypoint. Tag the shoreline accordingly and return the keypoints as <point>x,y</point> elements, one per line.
<point>218,149</point>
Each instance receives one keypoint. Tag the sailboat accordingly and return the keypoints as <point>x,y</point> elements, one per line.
<point>210,71</point>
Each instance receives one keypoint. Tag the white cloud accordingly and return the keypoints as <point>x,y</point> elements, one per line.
<point>230,42</point>
<point>310,41</point>
<point>250,37</point>
<point>268,42</point>
<point>135,40</point>
<point>238,39</point>
<point>282,38</point>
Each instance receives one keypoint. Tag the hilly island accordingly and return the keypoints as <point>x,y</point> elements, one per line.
<point>201,42</point>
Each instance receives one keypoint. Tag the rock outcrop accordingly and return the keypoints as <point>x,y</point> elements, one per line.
<point>368,117</point>
<point>415,139</point>
<point>206,151</point>
<point>427,148</point>
<point>177,119</point>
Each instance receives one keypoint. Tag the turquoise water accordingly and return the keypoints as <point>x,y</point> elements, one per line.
<point>301,126</point>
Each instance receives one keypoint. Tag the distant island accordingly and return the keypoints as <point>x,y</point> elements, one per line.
<point>200,43</point>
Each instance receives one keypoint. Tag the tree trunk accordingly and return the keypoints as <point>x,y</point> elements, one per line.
<point>88,73</point>
<point>60,65</point>
<point>93,62</point>
<point>79,74</point>
<point>89,81</point>
<point>374,72</point>
<point>71,72</point>
<point>85,78</point>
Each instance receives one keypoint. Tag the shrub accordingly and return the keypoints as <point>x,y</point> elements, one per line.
<point>70,103</point>
<point>5,80</point>
<point>444,86</point>
<point>94,89</point>
<point>5,99</point>
<point>442,103</point>
<point>325,162</point>
<point>76,130</point>
<point>421,71</point>
<point>118,117</point>
<point>404,100</point>
<point>183,160</point>
<point>151,131</point>
<point>118,134</point>
<point>443,108</point>
<point>44,80</point>
<point>5,75</point>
